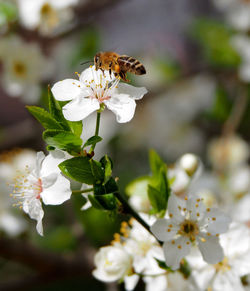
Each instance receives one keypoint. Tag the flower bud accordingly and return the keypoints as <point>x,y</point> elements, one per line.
<point>189,163</point>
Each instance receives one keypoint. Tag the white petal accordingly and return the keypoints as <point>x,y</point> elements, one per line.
<point>174,206</point>
<point>92,77</point>
<point>34,209</point>
<point>228,281</point>
<point>130,282</point>
<point>51,162</point>
<point>39,159</point>
<point>122,106</point>
<point>68,89</point>
<point>211,250</point>
<point>162,230</point>
<point>196,208</point>
<point>49,180</point>
<point>58,193</point>
<point>134,92</point>
<point>80,108</point>
<point>218,221</point>
<point>174,252</point>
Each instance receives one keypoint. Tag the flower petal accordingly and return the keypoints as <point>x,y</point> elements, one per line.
<point>218,221</point>
<point>131,281</point>
<point>123,107</point>
<point>175,206</point>
<point>80,108</point>
<point>39,159</point>
<point>58,193</point>
<point>68,89</point>
<point>49,180</point>
<point>34,209</point>
<point>51,162</point>
<point>92,77</point>
<point>134,92</point>
<point>210,248</point>
<point>175,250</point>
<point>162,230</point>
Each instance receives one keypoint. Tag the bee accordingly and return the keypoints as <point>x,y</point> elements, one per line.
<point>118,64</point>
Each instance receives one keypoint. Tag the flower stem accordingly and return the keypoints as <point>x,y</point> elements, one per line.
<point>98,118</point>
<point>82,191</point>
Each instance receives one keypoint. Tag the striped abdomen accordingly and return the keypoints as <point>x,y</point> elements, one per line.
<point>130,64</point>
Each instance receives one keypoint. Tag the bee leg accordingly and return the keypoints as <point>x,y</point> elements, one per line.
<point>122,74</point>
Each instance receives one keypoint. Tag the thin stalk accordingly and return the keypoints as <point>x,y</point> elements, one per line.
<point>82,191</point>
<point>97,127</point>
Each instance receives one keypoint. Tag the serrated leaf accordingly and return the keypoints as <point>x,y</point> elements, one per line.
<point>44,117</point>
<point>75,127</point>
<point>62,140</point>
<point>78,169</point>
<point>97,171</point>
<point>155,162</point>
<point>93,140</point>
<point>56,111</point>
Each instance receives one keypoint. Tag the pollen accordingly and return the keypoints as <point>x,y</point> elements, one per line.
<point>214,218</point>
<point>179,247</point>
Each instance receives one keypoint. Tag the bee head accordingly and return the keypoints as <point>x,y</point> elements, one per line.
<point>97,61</point>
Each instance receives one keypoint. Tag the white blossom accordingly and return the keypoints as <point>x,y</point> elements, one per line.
<point>112,263</point>
<point>23,71</point>
<point>189,222</point>
<point>225,275</point>
<point>46,15</point>
<point>44,184</point>
<point>93,89</point>
<point>237,13</point>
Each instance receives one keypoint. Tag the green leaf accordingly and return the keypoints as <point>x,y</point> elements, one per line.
<point>106,201</point>
<point>95,203</point>
<point>78,169</point>
<point>107,165</point>
<point>44,117</point>
<point>8,12</point>
<point>215,37</point>
<point>56,111</point>
<point>163,265</point>
<point>63,140</point>
<point>97,171</point>
<point>92,141</point>
<point>155,162</point>
<point>157,199</point>
<point>75,127</point>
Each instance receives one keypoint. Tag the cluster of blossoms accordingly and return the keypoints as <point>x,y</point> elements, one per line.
<point>237,14</point>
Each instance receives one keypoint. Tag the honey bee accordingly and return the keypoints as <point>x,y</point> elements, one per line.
<point>118,64</point>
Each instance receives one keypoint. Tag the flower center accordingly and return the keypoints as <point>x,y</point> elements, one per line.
<point>26,188</point>
<point>19,69</point>
<point>49,15</point>
<point>189,228</point>
<point>222,266</point>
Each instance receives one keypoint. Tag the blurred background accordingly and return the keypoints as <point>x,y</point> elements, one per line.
<point>196,54</point>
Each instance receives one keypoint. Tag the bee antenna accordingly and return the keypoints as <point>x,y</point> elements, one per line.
<point>86,62</point>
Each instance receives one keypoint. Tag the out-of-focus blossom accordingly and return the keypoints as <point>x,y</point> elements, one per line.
<point>237,13</point>
<point>44,184</point>
<point>190,221</point>
<point>226,153</point>
<point>93,89</point>
<point>45,15</point>
<point>24,67</point>
<point>11,162</point>
<point>184,100</point>
<point>112,263</point>
<point>241,43</point>
<point>225,275</point>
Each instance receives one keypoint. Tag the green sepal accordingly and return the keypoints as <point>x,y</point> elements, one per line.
<point>108,166</point>
<point>63,140</point>
<point>97,171</point>
<point>50,148</point>
<point>78,169</point>
<point>163,265</point>
<point>92,141</point>
<point>44,117</point>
